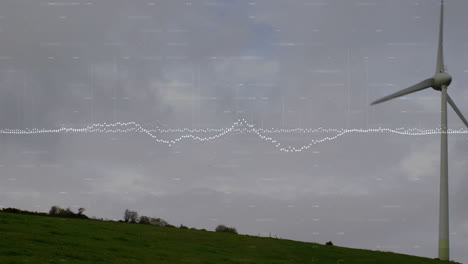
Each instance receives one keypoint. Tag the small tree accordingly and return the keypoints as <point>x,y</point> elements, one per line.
<point>329,243</point>
<point>130,216</point>
<point>55,210</point>
<point>81,210</point>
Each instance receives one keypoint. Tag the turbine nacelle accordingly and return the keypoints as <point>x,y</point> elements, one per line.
<point>441,79</point>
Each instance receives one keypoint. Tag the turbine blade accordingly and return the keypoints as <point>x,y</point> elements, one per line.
<point>417,87</point>
<point>455,108</point>
<point>440,51</point>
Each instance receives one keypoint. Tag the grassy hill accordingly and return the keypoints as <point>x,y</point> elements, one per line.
<point>39,239</point>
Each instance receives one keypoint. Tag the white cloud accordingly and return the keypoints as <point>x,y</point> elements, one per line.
<point>422,162</point>
<point>124,181</point>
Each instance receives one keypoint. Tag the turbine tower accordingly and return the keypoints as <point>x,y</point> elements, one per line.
<point>440,82</point>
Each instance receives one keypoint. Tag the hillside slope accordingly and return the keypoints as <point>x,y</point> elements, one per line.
<point>37,239</point>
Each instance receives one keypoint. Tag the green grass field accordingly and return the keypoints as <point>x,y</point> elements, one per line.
<point>38,239</point>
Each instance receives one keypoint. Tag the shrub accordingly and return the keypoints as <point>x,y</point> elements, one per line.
<point>67,213</point>
<point>19,211</point>
<point>158,222</point>
<point>60,212</point>
<point>144,220</point>
<point>329,243</point>
<point>223,228</point>
<point>12,210</point>
<point>183,227</point>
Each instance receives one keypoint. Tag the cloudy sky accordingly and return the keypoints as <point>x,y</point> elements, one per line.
<point>207,64</point>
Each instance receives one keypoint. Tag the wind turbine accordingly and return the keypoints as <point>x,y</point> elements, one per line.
<point>440,82</point>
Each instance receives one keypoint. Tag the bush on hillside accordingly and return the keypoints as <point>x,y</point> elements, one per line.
<point>329,243</point>
<point>60,212</point>
<point>144,220</point>
<point>19,211</point>
<point>223,228</point>
<point>158,222</point>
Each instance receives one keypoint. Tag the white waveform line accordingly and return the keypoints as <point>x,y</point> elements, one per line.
<point>241,127</point>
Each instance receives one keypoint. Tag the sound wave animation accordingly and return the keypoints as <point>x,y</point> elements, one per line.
<point>239,127</point>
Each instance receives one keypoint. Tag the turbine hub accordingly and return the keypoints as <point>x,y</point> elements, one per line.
<point>441,79</point>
